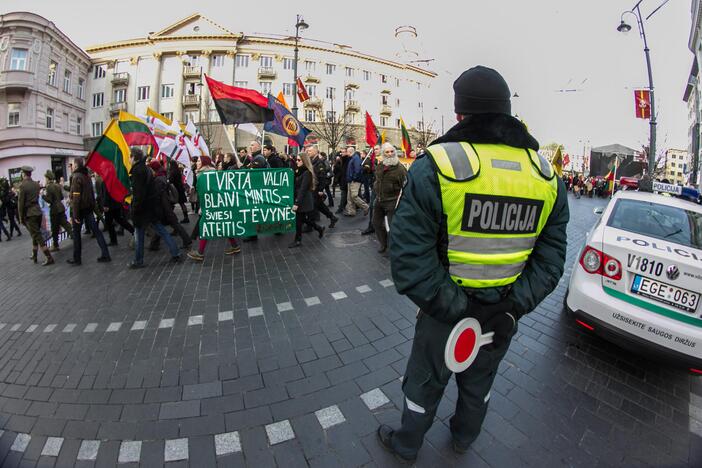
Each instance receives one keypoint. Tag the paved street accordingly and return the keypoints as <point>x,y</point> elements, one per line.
<point>292,358</point>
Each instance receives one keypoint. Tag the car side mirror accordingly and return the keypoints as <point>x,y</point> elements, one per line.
<point>598,211</point>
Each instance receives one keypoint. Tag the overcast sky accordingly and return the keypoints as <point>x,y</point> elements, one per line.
<point>539,46</point>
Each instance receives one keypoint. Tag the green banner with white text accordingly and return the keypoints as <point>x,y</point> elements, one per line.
<point>245,202</point>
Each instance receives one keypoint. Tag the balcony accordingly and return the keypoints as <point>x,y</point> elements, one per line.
<point>191,100</point>
<point>266,73</point>
<point>120,79</point>
<point>313,101</point>
<point>352,85</point>
<point>192,72</point>
<point>311,79</point>
<point>16,79</point>
<point>386,110</point>
<point>115,107</point>
<point>353,106</point>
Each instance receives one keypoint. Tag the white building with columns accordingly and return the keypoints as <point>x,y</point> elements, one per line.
<point>164,70</point>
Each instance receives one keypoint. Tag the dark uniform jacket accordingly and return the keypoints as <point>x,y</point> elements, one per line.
<point>389,181</point>
<point>54,197</point>
<point>419,238</point>
<point>82,195</point>
<point>144,206</point>
<point>28,204</point>
<point>303,190</point>
<point>275,161</point>
<point>321,170</point>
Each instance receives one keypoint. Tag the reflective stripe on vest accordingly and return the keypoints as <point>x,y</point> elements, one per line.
<point>496,199</point>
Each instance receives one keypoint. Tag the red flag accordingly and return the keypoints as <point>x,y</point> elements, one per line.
<point>642,100</point>
<point>238,105</point>
<point>372,136</point>
<point>302,91</point>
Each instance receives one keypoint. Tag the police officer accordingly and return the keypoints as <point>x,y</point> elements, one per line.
<point>53,195</point>
<point>480,232</point>
<point>30,214</point>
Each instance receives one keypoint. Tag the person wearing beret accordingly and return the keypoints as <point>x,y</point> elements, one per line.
<point>30,214</point>
<point>479,232</point>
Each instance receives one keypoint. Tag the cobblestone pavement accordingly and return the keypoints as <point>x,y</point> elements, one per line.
<point>292,358</point>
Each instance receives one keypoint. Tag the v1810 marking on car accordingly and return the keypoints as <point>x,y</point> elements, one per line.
<point>638,278</point>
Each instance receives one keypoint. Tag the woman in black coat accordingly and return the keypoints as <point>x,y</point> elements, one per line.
<point>175,177</point>
<point>305,183</point>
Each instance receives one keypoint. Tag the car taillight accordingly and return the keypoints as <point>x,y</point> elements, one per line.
<point>599,263</point>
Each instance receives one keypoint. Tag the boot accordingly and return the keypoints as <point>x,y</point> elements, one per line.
<point>34,255</point>
<point>320,230</point>
<point>333,222</point>
<point>49,259</point>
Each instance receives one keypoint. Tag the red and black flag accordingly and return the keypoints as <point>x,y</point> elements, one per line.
<point>239,105</point>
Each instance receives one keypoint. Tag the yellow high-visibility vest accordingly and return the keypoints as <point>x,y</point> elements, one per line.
<point>496,199</point>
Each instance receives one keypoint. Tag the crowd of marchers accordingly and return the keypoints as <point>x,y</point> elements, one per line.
<point>162,204</point>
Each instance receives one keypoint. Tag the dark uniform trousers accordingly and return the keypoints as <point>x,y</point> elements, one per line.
<point>426,378</point>
<point>58,221</point>
<point>87,217</point>
<point>116,215</point>
<point>33,224</point>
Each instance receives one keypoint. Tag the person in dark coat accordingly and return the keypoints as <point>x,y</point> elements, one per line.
<point>10,204</point>
<point>273,158</point>
<point>321,173</point>
<point>146,209</point>
<point>53,195</point>
<point>175,177</point>
<point>169,216</point>
<point>83,211</point>
<point>30,214</point>
<point>305,186</point>
<point>114,213</point>
<point>344,159</point>
<point>354,177</point>
<point>390,176</point>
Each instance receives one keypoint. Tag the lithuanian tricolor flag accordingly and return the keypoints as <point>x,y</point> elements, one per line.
<point>111,159</point>
<point>406,143</point>
<point>136,132</point>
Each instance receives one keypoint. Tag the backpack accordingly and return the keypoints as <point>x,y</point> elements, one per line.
<point>172,194</point>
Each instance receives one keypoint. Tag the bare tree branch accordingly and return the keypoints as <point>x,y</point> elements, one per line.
<point>334,130</point>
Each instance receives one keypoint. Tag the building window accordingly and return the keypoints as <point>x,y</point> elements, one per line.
<point>242,61</point>
<point>331,116</point>
<point>80,89</point>
<point>49,118</point>
<point>53,69</point>
<point>265,87</point>
<point>266,61</point>
<point>120,95</point>
<point>331,93</point>
<point>419,85</point>
<point>66,123</point>
<point>397,123</point>
<point>194,61</point>
<point>384,99</point>
<point>18,59</point>
<point>366,75</point>
<point>350,94</point>
<point>310,66</point>
<point>98,99</point>
<point>13,114</point>
<point>383,121</point>
<point>350,117</point>
<point>167,90</point>
<point>100,72</point>
<point>310,115</point>
<point>67,82</point>
<point>420,125</point>
<point>288,89</point>
<point>241,84</point>
<point>191,89</point>
<point>349,72</point>
<point>420,104</point>
<point>96,129</point>
<point>383,78</point>
<point>288,64</point>
<point>331,69</point>
<point>397,82</point>
<point>312,90</point>
<point>143,93</point>
<point>397,102</point>
<point>79,125</point>
<point>191,116</point>
<point>168,115</point>
<point>217,61</point>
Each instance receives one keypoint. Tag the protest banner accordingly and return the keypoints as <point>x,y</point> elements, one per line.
<point>245,202</point>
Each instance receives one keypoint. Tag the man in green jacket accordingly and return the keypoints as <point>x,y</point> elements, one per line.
<point>53,195</point>
<point>480,231</point>
<point>30,214</point>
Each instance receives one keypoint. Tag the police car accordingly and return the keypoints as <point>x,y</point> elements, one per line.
<point>638,278</point>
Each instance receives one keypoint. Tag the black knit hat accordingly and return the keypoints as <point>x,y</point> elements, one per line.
<point>481,90</point>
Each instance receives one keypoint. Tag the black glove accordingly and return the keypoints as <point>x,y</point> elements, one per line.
<point>483,313</point>
<point>503,324</point>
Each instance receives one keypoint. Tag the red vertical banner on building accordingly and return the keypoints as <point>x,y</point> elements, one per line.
<point>301,91</point>
<point>642,99</point>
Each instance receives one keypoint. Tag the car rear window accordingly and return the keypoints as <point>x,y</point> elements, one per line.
<point>665,222</point>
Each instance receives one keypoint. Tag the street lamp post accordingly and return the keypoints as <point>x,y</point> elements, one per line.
<point>625,28</point>
<point>299,25</point>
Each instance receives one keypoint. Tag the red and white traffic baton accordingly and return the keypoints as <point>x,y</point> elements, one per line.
<point>464,343</point>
